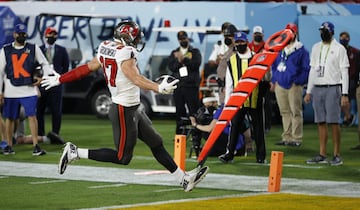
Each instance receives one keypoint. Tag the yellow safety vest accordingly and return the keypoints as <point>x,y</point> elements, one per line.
<point>235,63</point>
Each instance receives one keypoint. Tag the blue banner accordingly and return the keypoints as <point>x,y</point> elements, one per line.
<point>74,33</point>
<point>8,20</point>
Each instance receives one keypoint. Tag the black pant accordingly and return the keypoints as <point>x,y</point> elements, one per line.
<point>257,122</point>
<point>268,109</point>
<point>51,99</point>
<point>185,97</point>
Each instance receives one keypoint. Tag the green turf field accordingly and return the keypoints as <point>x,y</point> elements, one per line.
<point>89,132</point>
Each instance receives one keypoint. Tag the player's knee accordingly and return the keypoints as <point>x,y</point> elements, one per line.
<point>125,160</point>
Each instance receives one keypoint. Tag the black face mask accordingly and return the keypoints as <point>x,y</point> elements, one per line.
<point>21,39</point>
<point>344,42</point>
<point>184,44</point>
<point>258,38</point>
<point>325,36</point>
<point>241,48</point>
<point>227,41</point>
<point>51,40</point>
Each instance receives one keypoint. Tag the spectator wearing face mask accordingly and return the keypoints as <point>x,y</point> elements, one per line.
<point>257,43</point>
<point>253,106</point>
<point>18,76</point>
<point>221,52</point>
<point>257,46</point>
<point>58,57</point>
<point>354,69</point>
<point>354,81</point>
<point>184,63</point>
<point>203,116</point>
<point>206,119</point>
<point>223,55</point>
<point>328,87</point>
<point>290,73</point>
<point>220,48</point>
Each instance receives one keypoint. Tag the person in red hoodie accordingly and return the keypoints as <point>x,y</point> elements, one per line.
<point>257,46</point>
<point>257,43</point>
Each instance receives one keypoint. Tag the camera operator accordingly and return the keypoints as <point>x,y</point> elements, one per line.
<point>203,116</point>
<point>206,118</point>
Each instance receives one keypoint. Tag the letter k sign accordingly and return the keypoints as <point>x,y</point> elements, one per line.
<point>18,65</point>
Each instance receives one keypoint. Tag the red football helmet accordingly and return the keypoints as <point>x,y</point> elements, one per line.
<point>128,32</point>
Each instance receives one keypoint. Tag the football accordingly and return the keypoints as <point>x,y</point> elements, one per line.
<point>165,77</point>
<point>37,73</point>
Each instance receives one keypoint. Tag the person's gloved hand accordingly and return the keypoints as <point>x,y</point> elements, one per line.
<point>167,88</point>
<point>50,81</point>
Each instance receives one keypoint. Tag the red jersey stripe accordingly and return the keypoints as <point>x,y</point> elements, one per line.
<point>122,139</point>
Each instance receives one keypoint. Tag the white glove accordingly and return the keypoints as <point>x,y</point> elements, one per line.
<point>167,88</point>
<point>50,81</point>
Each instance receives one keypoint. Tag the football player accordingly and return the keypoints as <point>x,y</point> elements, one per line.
<point>118,60</point>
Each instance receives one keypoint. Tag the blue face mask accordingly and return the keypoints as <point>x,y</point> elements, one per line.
<point>344,42</point>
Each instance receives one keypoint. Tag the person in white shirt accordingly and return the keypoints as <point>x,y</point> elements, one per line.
<point>328,89</point>
<point>18,74</point>
<point>222,55</point>
<point>220,48</point>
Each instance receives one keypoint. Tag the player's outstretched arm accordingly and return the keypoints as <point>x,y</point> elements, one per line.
<point>131,71</point>
<point>72,75</point>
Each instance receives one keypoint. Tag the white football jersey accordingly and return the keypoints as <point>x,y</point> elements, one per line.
<point>111,55</point>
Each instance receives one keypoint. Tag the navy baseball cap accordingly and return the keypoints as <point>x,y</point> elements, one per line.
<point>240,36</point>
<point>328,26</point>
<point>20,28</point>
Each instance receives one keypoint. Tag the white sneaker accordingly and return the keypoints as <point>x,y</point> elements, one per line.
<point>69,155</point>
<point>193,177</point>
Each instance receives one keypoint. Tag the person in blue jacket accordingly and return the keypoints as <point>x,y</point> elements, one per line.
<point>290,73</point>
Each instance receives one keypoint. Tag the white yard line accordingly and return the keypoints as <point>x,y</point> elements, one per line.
<point>107,186</point>
<point>212,180</point>
<point>48,182</point>
<point>314,166</point>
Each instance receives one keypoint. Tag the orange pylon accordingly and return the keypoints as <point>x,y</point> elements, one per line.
<point>180,151</point>
<point>275,171</point>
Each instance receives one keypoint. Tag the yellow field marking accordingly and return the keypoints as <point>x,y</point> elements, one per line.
<point>276,201</point>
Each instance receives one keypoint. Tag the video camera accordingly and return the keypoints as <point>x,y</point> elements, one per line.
<point>203,116</point>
